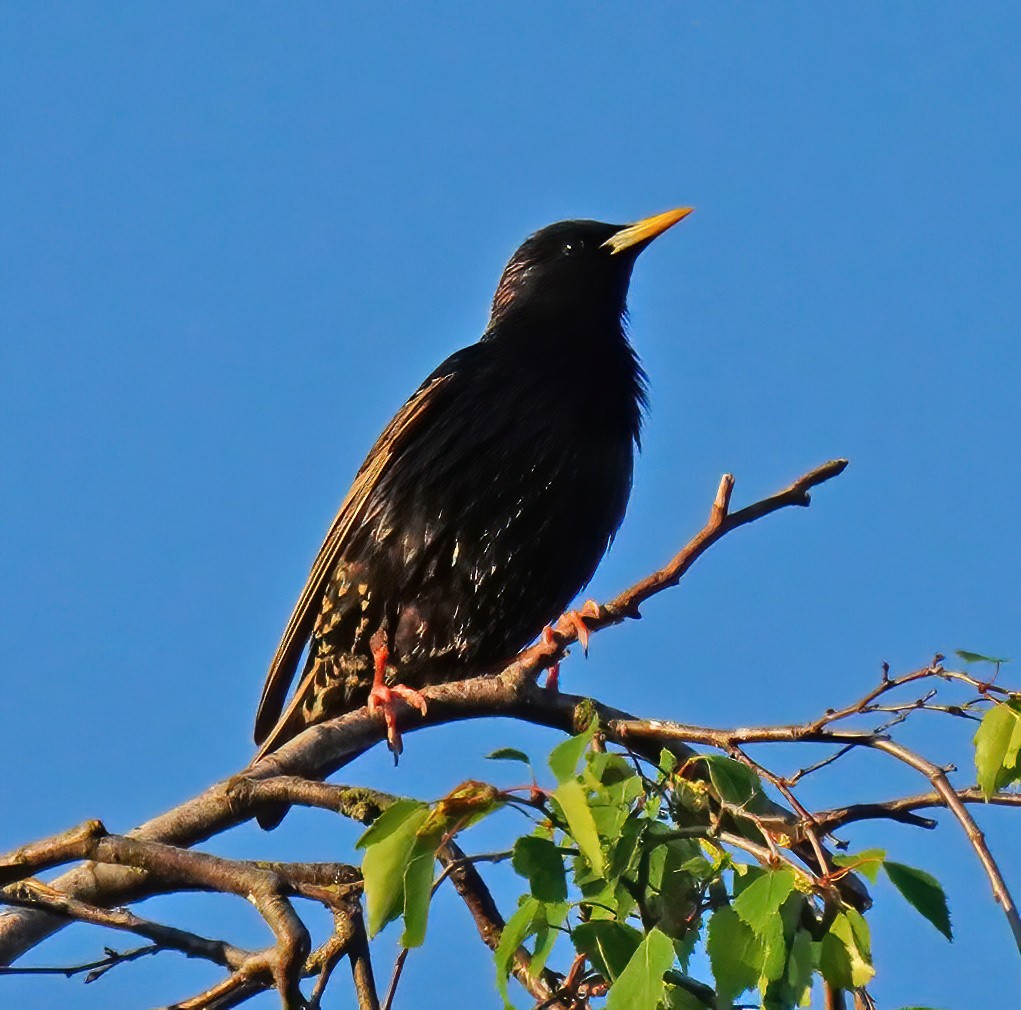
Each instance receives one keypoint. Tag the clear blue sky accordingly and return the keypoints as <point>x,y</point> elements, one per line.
<point>236,236</point>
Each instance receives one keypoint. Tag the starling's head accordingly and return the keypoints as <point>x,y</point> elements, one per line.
<point>577,268</point>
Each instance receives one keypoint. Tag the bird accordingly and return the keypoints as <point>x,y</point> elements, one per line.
<point>486,504</point>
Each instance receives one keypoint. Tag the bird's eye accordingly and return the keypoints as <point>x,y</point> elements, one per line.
<point>573,247</point>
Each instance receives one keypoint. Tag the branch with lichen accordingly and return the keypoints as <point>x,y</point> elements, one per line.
<point>155,857</point>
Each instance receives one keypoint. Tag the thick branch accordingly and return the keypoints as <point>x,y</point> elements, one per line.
<point>323,749</point>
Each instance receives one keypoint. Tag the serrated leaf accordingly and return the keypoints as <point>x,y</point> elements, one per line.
<point>611,805</point>
<point>997,742</point>
<point>540,862</point>
<point>685,946</point>
<point>735,953</point>
<point>510,754</point>
<point>667,763</point>
<point>860,929</point>
<point>418,879</point>
<point>800,966</point>
<point>517,927</point>
<point>924,892</point>
<point>547,933</point>
<point>734,782</point>
<point>608,944</point>
<point>388,852</point>
<point>625,850</point>
<point>867,862</point>
<point>564,758</point>
<point>672,892</point>
<point>574,803</point>
<point>977,657</point>
<point>640,985</point>
<point>389,821</point>
<point>774,958</point>
<point>760,901</point>
<point>679,998</point>
<point>1014,744</point>
<point>842,962</point>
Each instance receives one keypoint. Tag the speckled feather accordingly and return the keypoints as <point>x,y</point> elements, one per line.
<point>487,503</point>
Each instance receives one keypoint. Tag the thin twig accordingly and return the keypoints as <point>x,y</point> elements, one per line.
<point>94,969</point>
<point>324,748</point>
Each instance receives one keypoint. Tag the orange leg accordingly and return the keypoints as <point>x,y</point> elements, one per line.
<point>553,676</point>
<point>381,698</point>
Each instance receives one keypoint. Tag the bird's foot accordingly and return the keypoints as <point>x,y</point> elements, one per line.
<point>576,618</point>
<point>590,611</point>
<point>381,699</point>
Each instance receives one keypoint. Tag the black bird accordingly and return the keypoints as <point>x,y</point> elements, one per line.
<point>487,502</point>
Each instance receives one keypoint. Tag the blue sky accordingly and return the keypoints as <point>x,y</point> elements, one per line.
<point>237,236</point>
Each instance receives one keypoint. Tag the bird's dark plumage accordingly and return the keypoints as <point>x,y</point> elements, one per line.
<point>487,502</point>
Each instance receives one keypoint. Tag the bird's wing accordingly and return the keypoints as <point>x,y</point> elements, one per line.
<point>302,622</point>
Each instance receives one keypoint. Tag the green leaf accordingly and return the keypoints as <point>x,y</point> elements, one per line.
<point>866,862</point>
<point>735,953</point>
<point>678,998</point>
<point>388,821</point>
<point>734,782</point>
<point>611,805</point>
<point>608,944</point>
<point>801,966</point>
<point>574,803</point>
<point>997,743</point>
<point>640,985</point>
<point>977,657</point>
<point>418,880</point>
<point>389,846</point>
<point>547,933</point>
<point>510,754</point>
<point>774,953</point>
<point>518,926</point>
<point>760,901</point>
<point>564,758</point>
<point>671,898</point>
<point>667,761</point>
<point>842,960</point>
<point>539,861</point>
<point>924,892</point>
<point>624,851</point>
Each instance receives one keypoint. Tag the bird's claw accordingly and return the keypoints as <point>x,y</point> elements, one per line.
<point>576,618</point>
<point>381,699</point>
<point>590,611</point>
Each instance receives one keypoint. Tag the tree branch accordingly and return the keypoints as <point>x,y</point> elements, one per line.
<point>322,749</point>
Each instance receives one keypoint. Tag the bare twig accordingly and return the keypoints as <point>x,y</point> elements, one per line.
<point>324,748</point>
<point>32,894</point>
<point>822,731</point>
<point>91,969</point>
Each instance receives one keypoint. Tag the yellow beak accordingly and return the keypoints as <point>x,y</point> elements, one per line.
<point>645,230</point>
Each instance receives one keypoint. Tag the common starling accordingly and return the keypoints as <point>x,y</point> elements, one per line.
<point>487,502</point>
